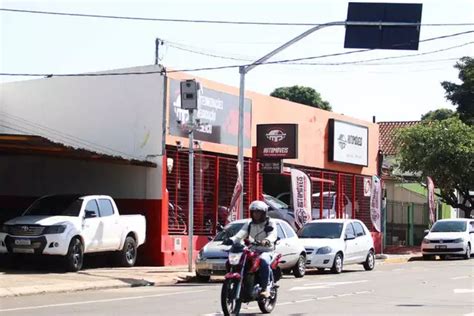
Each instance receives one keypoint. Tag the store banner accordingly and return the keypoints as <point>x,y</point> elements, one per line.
<point>376,204</point>
<point>277,141</point>
<point>431,199</point>
<point>301,190</point>
<point>234,207</point>
<point>218,113</point>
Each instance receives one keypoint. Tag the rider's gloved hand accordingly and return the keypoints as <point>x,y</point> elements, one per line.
<point>266,243</point>
<point>228,242</point>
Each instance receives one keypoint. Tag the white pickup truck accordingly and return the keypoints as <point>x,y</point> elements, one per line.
<point>72,225</point>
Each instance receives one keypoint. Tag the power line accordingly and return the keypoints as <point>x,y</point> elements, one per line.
<point>186,48</point>
<point>283,61</point>
<point>134,18</point>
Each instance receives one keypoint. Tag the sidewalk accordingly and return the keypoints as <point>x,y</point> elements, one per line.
<point>400,254</point>
<point>28,282</point>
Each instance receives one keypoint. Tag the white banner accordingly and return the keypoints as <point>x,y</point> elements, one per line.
<point>301,190</point>
<point>234,207</point>
<point>376,203</point>
<point>431,200</point>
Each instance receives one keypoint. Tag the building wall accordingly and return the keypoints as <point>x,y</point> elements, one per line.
<point>116,115</point>
<point>313,129</point>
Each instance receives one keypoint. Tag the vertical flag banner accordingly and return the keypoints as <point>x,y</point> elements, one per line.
<point>301,190</point>
<point>431,200</point>
<point>376,203</point>
<point>234,207</point>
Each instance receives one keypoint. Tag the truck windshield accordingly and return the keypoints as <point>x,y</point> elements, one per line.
<point>229,231</point>
<point>66,205</point>
<point>321,230</point>
<point>449,227</point>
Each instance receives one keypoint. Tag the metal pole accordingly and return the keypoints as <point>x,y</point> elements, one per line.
<point>241,136</point>
<point>157,47</point>
<point>243,70</point>
<point>191,191</point>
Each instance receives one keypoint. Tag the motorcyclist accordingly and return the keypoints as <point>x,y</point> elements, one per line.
<point>255,232</point>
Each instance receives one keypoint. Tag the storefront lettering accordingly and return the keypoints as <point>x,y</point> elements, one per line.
<point>277,150</point>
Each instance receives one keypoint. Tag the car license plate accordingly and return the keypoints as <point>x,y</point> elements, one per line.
<point>22,242</point>
<point>217,267</point>
<point>441,247</point>
<point>23,250</point>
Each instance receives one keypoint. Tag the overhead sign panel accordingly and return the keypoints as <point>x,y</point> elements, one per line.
<point>383,37</point>
<point>277,141</point>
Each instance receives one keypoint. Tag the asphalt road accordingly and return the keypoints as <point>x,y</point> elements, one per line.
<point>414,288</point>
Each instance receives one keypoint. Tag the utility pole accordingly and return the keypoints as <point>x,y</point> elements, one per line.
<point>189,101</point>
<point>158,42</point>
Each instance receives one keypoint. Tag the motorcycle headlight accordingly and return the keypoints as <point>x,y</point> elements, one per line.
<point>426,241</point>
<point>54,229</point>
<point>234,258</point>
<point>458,240</point>
<point>324,250</point>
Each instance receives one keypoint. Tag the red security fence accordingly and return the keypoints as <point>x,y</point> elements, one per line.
<point>215,177</point>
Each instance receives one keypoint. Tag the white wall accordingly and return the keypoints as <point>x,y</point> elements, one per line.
<point>116,115</point>
<point>36,176</point>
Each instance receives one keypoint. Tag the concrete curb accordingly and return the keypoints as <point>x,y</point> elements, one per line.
<point>85,286</point>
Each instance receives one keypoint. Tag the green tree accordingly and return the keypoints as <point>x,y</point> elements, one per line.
<point>443,150</point>
<point>438,115</point>
<point>462,94</point>
<point>303,95</point>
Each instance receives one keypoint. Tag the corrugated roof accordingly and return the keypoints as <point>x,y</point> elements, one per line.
<point>386,131</point>
<point>38,145</point>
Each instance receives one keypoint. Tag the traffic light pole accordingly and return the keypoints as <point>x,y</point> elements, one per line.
<point>243,70</point>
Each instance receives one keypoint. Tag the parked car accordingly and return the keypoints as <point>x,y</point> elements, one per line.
<point>329,204</point>
<point>211,259</point>
<point>72,225</point>
<point>449,237</point>
<point>333,243</point>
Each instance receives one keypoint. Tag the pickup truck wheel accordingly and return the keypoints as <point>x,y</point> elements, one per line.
<point>128,255</point>
<point>75,255</point>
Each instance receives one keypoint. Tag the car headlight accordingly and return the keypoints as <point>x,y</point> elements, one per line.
<point>324,250</point>
<point>54,229</point>
<point>458,240</point>
<point>426,241</point>
<point>234,258</point>
<point>200,255</point>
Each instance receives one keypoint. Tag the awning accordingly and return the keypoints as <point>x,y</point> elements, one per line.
<point>38,145</point>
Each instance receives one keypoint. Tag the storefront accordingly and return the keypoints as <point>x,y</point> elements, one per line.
<point>137,120</point>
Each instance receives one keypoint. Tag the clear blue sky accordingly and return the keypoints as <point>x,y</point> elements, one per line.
<point>401,89</point>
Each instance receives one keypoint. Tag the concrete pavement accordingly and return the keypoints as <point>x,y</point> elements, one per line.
<point>30,281</point>
<point>441,287</point>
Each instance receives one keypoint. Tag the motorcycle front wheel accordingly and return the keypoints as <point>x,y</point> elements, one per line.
<point>230,305</point>
<point>267,305</point>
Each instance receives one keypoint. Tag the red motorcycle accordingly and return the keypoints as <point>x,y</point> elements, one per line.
<point>241,283</point>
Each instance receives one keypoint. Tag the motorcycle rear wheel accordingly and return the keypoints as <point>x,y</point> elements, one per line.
<point>267,305</point>
<point>230,305</point>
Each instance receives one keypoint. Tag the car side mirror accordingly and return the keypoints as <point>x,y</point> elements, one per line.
<point>278,240</point>
<point>350,237</point>
<point>209,238</point>
<point>219,228</point>
<point>426,231</point>
<point>268,229</point>
<point>90,214</point>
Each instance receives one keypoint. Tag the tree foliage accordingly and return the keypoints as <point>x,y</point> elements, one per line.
<point>443,150</point>
<point>462,94</point>
<point>438,115</point>
<point>303,95</point>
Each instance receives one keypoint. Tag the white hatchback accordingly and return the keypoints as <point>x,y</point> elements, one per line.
<point>332,243</point>
<point>449,237</point>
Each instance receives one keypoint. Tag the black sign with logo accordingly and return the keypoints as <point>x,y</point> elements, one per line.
<point>277,141</point>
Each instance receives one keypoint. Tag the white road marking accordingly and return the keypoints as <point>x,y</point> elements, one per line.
<point>463,291</point>
<point>324,285</point>
<point>322,298</point>
<point>462,277</point>
<point>97,301</point>
<point>470,314</point>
